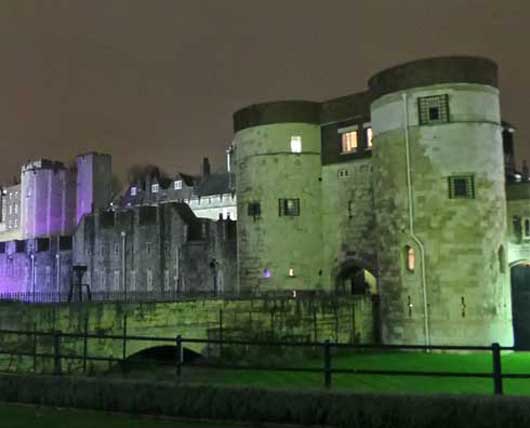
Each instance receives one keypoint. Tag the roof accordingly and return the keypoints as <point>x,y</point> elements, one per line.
<point>214,184</point>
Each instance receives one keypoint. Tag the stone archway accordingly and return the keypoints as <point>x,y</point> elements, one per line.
<point>520,287</point>
<point>353,276</point>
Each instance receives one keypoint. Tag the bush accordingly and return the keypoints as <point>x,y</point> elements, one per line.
<point>276,406</point>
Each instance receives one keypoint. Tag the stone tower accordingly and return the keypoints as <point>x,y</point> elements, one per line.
<point>440,203</point>
<point>277,152</point>
<point>94,176</point>
<point>46,199</point>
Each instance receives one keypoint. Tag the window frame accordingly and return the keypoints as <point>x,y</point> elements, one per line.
<point>254,209</point>
<point>284,211</point>
<point>426,103</point>
<point>470,186</point>
<point>343,132</point>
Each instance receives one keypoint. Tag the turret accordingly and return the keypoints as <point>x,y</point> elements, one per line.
<point>277,164</point>
<point>440,203</point>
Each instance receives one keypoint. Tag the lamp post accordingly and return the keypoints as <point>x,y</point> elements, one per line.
<point>124,284</point>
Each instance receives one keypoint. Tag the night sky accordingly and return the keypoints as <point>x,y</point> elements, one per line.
<point>157,81</point>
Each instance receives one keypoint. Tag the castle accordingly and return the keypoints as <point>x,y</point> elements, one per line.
<point>407,191</point>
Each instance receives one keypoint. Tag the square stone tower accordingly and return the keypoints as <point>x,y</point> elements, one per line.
<point>94,174</point>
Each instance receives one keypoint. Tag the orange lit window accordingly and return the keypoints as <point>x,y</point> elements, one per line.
<point>349,142</point>
<point>411,258</point>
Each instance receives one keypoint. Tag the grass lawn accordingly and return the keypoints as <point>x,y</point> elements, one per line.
<point>476,362</point>
<point>24,416</point>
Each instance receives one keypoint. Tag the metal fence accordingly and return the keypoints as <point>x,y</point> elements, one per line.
<point>326,350</point>
<point>146,296</point>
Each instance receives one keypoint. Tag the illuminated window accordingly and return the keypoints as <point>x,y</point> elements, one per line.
<point>266,273</point>
<point>461,187</point>
<point>369,136</point>
<point>177,185</point>
<point>410,258</point>
<point>289,207</point>
<point>349,141</point>
<point>433,110</point>
<point>154,188</point>
<point>296,144</point>
<point>291,272</point>
<point>133,191</point>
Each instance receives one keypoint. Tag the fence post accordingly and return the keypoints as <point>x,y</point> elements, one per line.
<point>221,333</point>
<point>85,344</point>
<point>497,368</point>
<point>179,355</point>
<point>34,350</point>
<point>327,364</point>
<point>57,353</point>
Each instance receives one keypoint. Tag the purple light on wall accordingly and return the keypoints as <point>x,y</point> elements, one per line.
<point>267,273</point>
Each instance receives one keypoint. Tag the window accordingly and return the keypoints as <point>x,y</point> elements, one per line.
<point>291,272</point>
<point>502,259</point>
<point>148,247</point>
<point>289,207</point>
<point>177,184</point>
<point>410,258</point>
<point>116,248</point>
<point>149,280</point>
<point>461,187</point>
<point>433,110</point>
<point>296,144</point>
<point>369,136</point>
<point>526,228</point>
<point>133,191</point>
<point>154,188</point>
<point>116,280</point>
<point>254,210</point>
<point>349,142</point>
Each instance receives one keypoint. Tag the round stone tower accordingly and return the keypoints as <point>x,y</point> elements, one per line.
<point>277,162</point>
<point>440,203</point>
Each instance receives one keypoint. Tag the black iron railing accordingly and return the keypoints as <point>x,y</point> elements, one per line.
<point>145,296</point>
<point>326,350</point>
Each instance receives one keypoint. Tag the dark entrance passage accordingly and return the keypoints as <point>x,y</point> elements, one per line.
<point>521,305</point>
<point>353,279</point>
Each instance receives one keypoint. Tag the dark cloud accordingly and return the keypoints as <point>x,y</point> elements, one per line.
<point>157,81</point>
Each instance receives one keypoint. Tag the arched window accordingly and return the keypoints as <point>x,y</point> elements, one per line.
<point>410,258</point>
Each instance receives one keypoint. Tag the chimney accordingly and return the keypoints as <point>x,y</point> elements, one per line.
<point>205,169</point>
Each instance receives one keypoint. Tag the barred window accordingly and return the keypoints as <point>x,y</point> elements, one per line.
<point>434,109</point>
<point>289,207</point>
<point>254,210</point>
<point>462,187</point>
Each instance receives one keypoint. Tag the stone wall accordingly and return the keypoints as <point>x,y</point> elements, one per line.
<point>155,249</point>
<point>344,319</point>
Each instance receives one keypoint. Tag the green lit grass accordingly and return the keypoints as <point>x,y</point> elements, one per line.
<point>23,416</point>
<point>477,362</point>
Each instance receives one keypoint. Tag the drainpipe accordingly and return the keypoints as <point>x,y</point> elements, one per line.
<point>58,274</point>
<point>413,235</point>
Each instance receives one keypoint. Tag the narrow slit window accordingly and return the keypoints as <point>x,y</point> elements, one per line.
<point>410,255</point>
